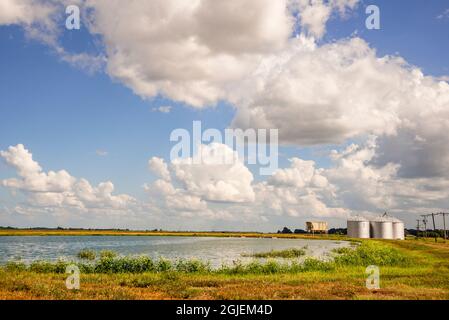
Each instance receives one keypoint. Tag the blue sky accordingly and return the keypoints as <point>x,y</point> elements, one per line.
<point>64,114</point>
<point>408,28</point>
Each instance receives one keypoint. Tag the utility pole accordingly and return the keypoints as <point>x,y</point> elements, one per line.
<point>445,236</point>
<point>434,230</point>
<point>444,225</point>
<point>417,228</point>
<point>425,222</point>
<point>425,226</point>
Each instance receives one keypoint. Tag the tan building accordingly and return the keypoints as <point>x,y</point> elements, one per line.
<point>316,227</point>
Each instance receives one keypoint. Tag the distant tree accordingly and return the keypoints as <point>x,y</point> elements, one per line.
<point>339,231</point>
<point>430,233</point>
<point>299,231</point>
<point>285,230</point>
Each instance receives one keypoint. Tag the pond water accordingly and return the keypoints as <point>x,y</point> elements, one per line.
<point>217,251</point>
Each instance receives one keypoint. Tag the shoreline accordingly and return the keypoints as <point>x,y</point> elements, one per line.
<point>411,279</point>
<point>220,234</point>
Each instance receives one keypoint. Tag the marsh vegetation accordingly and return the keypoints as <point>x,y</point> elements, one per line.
<point>410,269</point>
<point>286,254</point>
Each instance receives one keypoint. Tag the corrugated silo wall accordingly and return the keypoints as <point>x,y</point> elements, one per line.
<point>358,229</point>
<point>381,229</point>
<point>398,230</point>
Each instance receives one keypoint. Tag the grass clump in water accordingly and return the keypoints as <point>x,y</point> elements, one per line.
<point>286,254</point>
<point>87,254</point>
<point>107,254</point>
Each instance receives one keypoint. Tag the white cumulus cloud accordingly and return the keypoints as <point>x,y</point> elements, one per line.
<point>59,189</point>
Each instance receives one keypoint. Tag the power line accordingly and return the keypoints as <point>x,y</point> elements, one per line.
<point>424,220</point>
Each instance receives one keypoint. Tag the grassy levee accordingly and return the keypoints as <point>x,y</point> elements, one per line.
<point>411,269</point>
<point>84,232</point>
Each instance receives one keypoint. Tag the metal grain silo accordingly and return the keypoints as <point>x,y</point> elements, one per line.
<point>358,227</point>
<point>398,229</point>
<point>382,228</point>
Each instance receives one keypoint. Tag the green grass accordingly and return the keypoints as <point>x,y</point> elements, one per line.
<point>286,254</point>
<point>107,254</point>
<point>371,253</point>
<point>87,254</point>
<point>408,270</point>
<point>365,254</point>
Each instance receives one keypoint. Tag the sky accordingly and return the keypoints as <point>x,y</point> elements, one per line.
<point>86,114</point>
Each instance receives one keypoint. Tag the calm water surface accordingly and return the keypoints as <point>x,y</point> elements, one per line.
<point>217,251</point>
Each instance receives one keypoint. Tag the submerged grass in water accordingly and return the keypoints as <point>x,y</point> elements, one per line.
<point>87,254</point>
<point>287,254</point>
<point>109,262</point>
